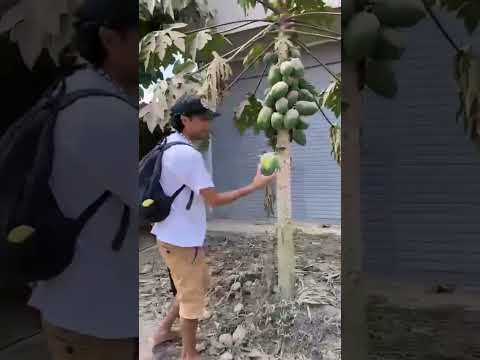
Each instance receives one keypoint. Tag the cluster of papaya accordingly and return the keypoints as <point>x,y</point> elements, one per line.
<point>373,33</point>
<point>288,99</point>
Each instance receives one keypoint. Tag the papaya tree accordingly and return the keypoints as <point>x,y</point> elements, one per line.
<point>201,59</point>
<point>372,41</point>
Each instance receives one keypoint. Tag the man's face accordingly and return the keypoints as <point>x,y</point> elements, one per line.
<point>197,127</point>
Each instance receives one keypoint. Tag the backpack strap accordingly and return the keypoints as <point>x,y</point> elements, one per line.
<point>88,213</point>
<point>69,98</point>
<point>164,146</point>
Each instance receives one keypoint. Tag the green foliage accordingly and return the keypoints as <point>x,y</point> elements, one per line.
<point>331,98</point>
<point>246,114</point>
<point>468,10</point>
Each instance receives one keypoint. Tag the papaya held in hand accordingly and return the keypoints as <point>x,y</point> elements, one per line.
<point>20,234</point>
<point>147,203</point>
<point>269,163</point>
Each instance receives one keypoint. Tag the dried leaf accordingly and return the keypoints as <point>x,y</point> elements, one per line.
<point>218,72</point>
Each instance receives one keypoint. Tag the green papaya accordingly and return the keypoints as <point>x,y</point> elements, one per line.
<point>279,90</point>
<point>306,108</point>
<point>361,35</point>
<point>270,58</point>
<point>404,13</point>
<point>269,100</point>
<point>288,80</point>
<point>274,75</point>
<point>281,105</point>
<point>304,84</point>
<point>302,124</point>
<point>20,234</point>
<point>295,53</point>
<point>277,121</point>
<point>263,119</point>
<point>291,119</point>
<point>269,163</point>
<point>306,95</point>
<point>286,68</point>
<point>292,97</point>
<point>299,69</point>
<point>295,84</point>
<point>299,137</point>
<point>380,78</point>
<point>390,45</point>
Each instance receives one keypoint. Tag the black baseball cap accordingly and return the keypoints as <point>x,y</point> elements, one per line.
<point>193,105</point>
<point>109,13</point>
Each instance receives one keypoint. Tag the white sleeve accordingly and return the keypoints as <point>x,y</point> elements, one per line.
<point>189,168</point>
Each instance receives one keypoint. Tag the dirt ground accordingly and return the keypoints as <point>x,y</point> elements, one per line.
<point>246,320</point>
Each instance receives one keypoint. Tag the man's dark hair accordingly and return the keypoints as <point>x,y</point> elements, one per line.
<point>176,122</point>
<point>117,15</point>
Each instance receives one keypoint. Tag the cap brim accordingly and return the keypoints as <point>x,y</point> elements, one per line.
<point>215,114</point>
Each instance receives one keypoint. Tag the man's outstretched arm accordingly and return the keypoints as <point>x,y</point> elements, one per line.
<point>215,199</point>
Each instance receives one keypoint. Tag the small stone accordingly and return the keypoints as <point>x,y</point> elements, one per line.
<point>236,286</point>
<point>226,340</point>
<point>248,283</point>
<point>206,315</point>
<point>239,334</point>
<point>201,347</point>
<point>226,356</point>
<point>238,307</point>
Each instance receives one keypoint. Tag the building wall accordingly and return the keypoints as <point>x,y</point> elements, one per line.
<point>420,174</point>
<point>316,176</point>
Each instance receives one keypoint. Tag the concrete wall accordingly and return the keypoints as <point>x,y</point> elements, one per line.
<point>316,176</point>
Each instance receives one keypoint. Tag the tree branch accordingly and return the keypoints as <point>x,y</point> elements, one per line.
<point>249,66</point>
<point>260,35</point>
<point>325,115</point>
<point>307,50</point>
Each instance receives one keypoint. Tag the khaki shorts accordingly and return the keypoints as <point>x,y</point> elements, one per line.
<point>189,271</point>
<point>68,345</point>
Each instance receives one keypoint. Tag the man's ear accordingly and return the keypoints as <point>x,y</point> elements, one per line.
<point>184,119</point>
<point>107,37</point>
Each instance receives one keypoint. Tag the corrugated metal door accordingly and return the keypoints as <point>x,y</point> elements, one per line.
<point>420,175</point>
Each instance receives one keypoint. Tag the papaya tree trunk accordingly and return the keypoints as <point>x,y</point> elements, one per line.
<point>354,327</point>
<point>285,229</point>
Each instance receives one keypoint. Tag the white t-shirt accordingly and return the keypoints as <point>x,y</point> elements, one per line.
<point>184,165</point>
<point>96,148</point>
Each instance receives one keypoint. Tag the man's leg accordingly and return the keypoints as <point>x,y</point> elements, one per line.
<point>164,332</point>
<point>189,339</point>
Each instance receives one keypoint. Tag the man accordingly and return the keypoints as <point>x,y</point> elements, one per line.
<point>181,236</point>
<point>90,311</point>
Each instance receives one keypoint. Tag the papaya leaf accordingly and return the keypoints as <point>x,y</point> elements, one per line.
<point>246,114</point>
<point>185,67</point>
<point>336,142</point>
<point>246,5</point>
<point>468,10</point>
<point>331,98</point>
<point>218,43</point>
<point>197,41</point>
<point>254,52</point>
<point>218,72</point>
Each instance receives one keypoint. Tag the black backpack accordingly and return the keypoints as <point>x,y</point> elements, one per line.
<point>155,205</point>
<point>37,242</point>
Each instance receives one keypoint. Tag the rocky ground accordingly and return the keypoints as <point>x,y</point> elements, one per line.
<point>244,319</point>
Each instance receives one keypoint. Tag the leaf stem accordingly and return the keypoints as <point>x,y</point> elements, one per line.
<point>228,23</point>
<point>307,50</point>
<point>249,66</point>
<point>252,40</point>
<point>303,24</point>
<point>440,26</point>
<point>316,13</point>
<point>261,79</point>
<point>312,34</point>
<point>325,116</point>
<point>268,6</point>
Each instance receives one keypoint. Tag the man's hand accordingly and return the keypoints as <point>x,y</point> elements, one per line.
<point>260,181</point>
